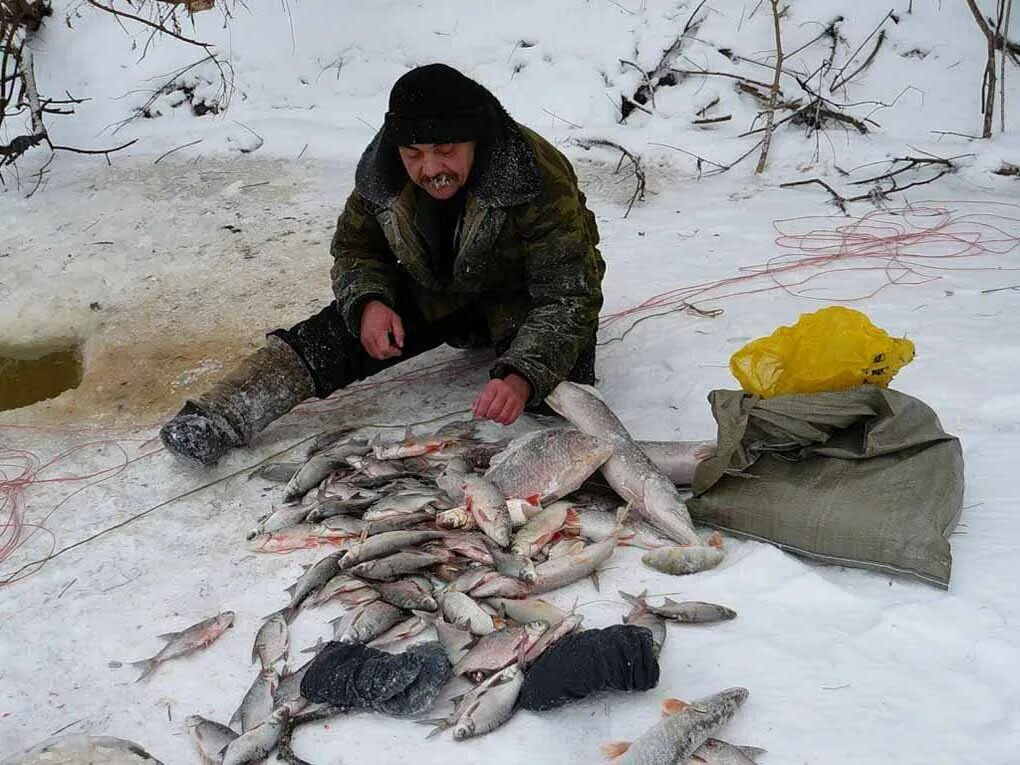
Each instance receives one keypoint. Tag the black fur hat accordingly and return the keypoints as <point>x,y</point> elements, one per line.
<point>437,104</point>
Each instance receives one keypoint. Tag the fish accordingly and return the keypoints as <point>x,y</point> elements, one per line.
<point>513,565</point>
<point>595,524</point>
<point>488,507</point>
<point>325,440</point>
<point>498,586</point>
<point>499,648</point>
<point>211,738</point>
<point>259,741</point>
<point>531,610</point>
<point>380,545</point>
<point>412,594</point>
<point>549,636</point>
<point>470,546</point>
<point>366,623</point>
<point>470,579</point>
<point>454,638</point>
<point>315,576</point>
<point>411,448</point>
<point>565,547</point>
<point>321,465</point>
<point>675,738</point>
<point>276,472</point>
<point>456,518</point>
<point>677,460</point>
<point>370,467</point>
<point>330,507</point>
<point>417,623</point>
<point>548,464</point>
<point>565,569</point>
<point>640,616</point>
<point>688,612</point>
<point>340,584</point>
<point>718,752</point>
<point>493,707</point>
<point>186,641</point>
<point>683,560</point>
<point>281,518</point>
<point>540,529</point>
<point>78,748</point>
<point>403,503</point>
<point>304,536</point>
<point>257,704</point>
<point>394,566</point>
<point>289,689</point>
<point>458,607</point>
<point>271,641</point>
<point>521,510</point>
<point>629,471</point>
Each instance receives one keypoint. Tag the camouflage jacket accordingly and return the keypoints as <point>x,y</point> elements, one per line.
<point>527,257</point>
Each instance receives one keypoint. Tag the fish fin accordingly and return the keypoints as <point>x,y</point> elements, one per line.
<point>595,580</point>
<point>667,602</point>
<point>168,636</point>
<point>288,613</point>
<point>614,749</point>
<point>752,752</point>
<point>621,515</point>
<point>440,723</point>
<point>533,499</point>
<point>148,666</point>
<point>671,707</point>
<point>634,600</point>
<point>716,540</point>
<point>697,758</point>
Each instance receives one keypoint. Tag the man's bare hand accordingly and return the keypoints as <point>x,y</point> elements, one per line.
<point>503,400</point>
<point>382,331</point>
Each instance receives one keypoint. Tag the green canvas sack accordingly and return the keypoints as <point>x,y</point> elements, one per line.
<point>864,478</point>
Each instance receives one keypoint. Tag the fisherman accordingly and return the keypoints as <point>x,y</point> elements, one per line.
<point>464,228</point>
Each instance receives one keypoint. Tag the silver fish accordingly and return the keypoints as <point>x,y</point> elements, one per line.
<point>455,639</point>
<point>281,518</point>
<point>315,576</point>
<point>211,738</point>
<point>340,584</point>
<point>470,579</point>
<point>321,465</point>
<point>414,625</point>
<point>595,524</point>
<point>385,544</point>
<point>187,640</point>
<point>629,471</point>
<point>412,594</point>
<point>493,707</point>
<point>394,566</point>
<point>458,608</point>
<point>548,464</point>
<point>488,506</point>
<point>677,460</point>
<point>257,704</point>
<point>532,610</point>
<point>566,569</point>
<point>325,440</point>
<point>677,737</point>
<point>718,752</point>
<point>367,622</point>
<point>533,535</point>
<point>639,616</point>
<point>330,507</point>
<point>271,641</point>
<point>513,565</point>
<point>258,742</point>
<point>564,547</point>
<point>550,636</point>
<point>499,649</point>
<point>289,689</point>
<point>687,612</point>
<point>456,518</point>
<point>498,586</point>
<point>403,503</point>
<point>683,560</point>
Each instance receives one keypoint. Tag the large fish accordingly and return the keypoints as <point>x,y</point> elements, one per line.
<point>547,464</point>
<point>629,471</point>
<point>677,737</point>
<point>187,640</point>
<point>493,707</point>
<point>677,460</point>
<point>75,748</point>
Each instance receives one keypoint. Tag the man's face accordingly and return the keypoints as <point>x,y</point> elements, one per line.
<point>440,168</point>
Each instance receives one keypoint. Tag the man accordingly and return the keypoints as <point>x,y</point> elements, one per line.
<point>464,228</point>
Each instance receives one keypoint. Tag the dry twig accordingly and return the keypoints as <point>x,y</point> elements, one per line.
<point>770,115</point>
<point>639,173</point>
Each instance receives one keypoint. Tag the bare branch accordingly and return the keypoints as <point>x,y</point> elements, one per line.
<point>639,173</point>
<point>770,115</point>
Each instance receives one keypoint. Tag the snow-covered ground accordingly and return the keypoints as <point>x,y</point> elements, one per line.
<point>168,272</point>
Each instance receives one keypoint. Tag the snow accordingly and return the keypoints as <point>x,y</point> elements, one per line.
<point>843,666</point>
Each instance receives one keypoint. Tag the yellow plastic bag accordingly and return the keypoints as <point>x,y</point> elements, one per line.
<point>835,348</point>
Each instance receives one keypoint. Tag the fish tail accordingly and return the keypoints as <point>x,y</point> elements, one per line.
<point>671,707</point>
<point>614,749</point>
<point>148,666</point>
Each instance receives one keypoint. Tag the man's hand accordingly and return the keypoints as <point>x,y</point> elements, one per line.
<point>382,331</point>
<point>503,400</point>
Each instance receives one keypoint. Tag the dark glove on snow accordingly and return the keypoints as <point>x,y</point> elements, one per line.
<point>197,435</point>
<point>619,658</point>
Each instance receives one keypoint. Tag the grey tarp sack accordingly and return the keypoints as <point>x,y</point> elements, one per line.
<point>865,477</point>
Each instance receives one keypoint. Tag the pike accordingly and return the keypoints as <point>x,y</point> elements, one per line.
<point>688,612</point>
<point>385,544</point>
<point>678,736</point>
<point>186,641</point>
<point>211,738</point>
<point>548,464</point>
<point>629,471</point>
<point>259,741</point>
<point>257,704</point>
<point>321,465</point>
<point>718,752</point>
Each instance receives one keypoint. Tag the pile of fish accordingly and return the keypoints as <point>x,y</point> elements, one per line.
<point>460,536</point>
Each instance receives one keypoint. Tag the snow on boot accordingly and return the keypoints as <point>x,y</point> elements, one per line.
<point>264,386</point>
